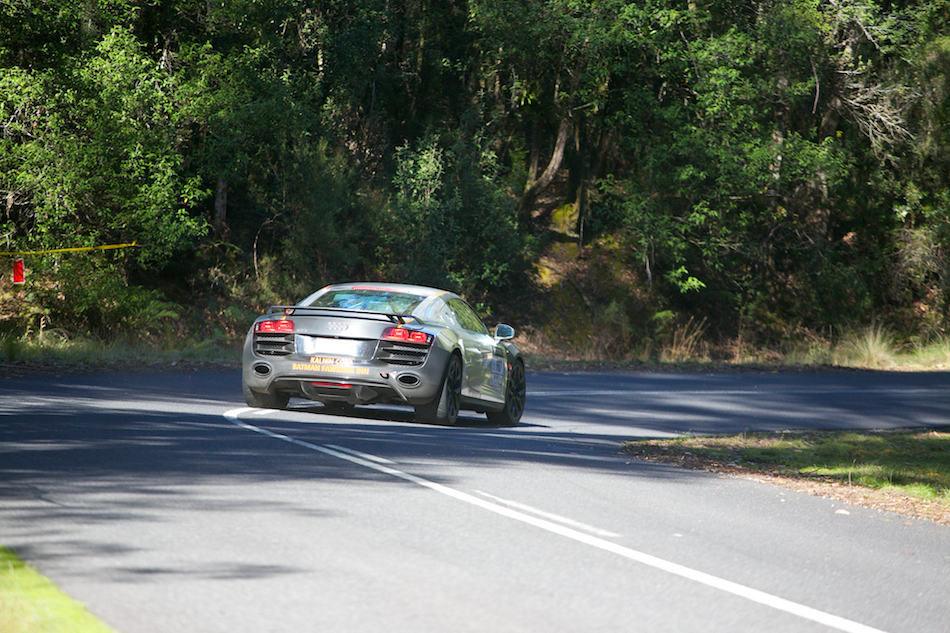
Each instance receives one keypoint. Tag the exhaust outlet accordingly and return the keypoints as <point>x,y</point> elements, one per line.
<point>408,380</point>
<point>261,369</point>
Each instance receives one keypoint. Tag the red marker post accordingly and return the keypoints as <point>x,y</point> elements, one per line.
<point>19,277</point>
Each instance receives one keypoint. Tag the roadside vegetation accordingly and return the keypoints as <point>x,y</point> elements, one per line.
<point>625,181</point>
<point>905,471</point>
<point>59,352</point>
<point>30,603</point>
<point>871,348</point>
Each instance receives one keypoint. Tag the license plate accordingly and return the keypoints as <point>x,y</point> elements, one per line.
<point>323,346</point>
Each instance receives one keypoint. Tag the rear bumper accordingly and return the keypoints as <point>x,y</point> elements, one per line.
<point>340,379</point>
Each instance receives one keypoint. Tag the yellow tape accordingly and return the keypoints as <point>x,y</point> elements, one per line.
<point>69,250</point>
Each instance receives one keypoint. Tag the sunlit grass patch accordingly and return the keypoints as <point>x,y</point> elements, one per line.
<point>874,347</point>
<point>30,603</point>
<point>934,354</point>
<point>914,463</point>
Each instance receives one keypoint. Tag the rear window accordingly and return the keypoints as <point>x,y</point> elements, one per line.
<point>373,300</point>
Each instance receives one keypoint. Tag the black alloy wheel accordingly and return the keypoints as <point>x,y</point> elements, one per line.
<point>515,395</point>
<point>444,409</point>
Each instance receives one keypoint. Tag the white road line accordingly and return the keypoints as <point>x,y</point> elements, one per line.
<point>760,597</point>
<point>549,516</point>
<point>374,458</point>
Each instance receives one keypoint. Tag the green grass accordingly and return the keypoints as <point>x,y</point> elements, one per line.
<point>55,347</point>
<point>30,603</point>
<point>914,463</point>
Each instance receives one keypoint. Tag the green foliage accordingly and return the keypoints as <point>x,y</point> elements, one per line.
<point>93,155</point>
<point>95,301</point>
<point>323,221</point>
<point>783,161</point>
<point>450,224</point>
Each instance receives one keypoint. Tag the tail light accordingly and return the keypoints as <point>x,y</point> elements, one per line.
<point>403,335</point>
<point>282,326</point>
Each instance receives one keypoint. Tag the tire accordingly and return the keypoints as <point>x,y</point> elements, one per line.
<point>264,400</point>
<point>515,394</point>
<point>444,408</point>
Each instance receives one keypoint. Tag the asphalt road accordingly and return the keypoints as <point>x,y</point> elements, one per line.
<point>165,505</point>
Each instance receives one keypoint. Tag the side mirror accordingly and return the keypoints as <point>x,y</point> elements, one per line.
<point>504,332</point>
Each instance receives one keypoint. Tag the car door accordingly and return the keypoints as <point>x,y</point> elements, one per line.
<point>484,358</point>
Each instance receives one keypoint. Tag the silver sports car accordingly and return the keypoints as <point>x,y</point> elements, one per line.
<point>368,343</point>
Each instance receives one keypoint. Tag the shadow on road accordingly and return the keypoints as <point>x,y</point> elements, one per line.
<point>129,446</point>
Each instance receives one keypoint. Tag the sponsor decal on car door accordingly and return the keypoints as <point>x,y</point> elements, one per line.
<point>485,367</point>
<point>494,386</point>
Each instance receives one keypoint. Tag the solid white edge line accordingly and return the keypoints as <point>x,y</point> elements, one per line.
<point>754,595</point>
<point>549,516</point>
<point>373,458</point>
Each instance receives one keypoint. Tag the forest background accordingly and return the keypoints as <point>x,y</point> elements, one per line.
<point>619,180</point>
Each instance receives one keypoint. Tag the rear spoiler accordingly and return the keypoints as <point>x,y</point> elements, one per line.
<point>401,319</point>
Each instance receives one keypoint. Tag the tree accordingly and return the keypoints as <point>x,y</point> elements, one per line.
<point>92,154</point>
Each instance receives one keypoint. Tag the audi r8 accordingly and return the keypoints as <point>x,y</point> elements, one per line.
<point>371,343</point>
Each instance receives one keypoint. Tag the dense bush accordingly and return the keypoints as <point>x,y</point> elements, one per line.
<point>781,165</point>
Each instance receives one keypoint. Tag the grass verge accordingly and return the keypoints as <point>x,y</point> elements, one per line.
<point>30,603</point>
<point>54,354</point>
<point>905,471</point>
<point>59,348</point>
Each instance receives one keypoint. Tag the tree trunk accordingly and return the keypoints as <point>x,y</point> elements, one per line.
<point>780,119</point>
<point>534,187</point>
<point>535,153</point>
<point>539,185</point>
<point>580,201</point>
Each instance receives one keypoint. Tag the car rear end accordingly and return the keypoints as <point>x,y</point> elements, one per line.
<point>343,355</point>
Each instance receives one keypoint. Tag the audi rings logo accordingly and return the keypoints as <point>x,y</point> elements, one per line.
<point>337,326</point>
